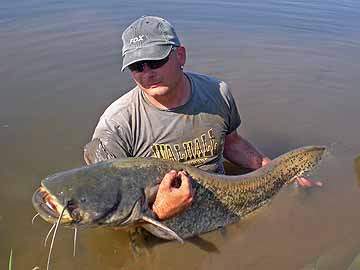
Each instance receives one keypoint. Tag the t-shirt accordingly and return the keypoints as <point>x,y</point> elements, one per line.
<point>193,133</point>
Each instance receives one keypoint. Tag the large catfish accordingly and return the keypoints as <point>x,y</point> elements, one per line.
<point>117,193</point>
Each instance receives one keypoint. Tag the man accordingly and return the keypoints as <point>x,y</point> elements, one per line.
<point>170,114</point>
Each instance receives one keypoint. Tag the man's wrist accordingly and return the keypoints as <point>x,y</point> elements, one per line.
<point>155,212</point>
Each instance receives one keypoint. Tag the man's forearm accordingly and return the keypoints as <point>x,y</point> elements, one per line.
<point>241,152</point>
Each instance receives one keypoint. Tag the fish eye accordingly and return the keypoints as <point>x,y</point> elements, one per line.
<point>72,206</point>
<point>75,214</point>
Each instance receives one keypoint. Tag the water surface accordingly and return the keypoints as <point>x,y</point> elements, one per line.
<point>293,67</point>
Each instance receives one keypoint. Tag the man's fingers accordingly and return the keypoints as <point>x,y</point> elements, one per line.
<point>305,183</point>
<point>185,180</point>
<point>177,180</point>
<point>186,185</point>
<point>174,196</point>
<point>168,180</point>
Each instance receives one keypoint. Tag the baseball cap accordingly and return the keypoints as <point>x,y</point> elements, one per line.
<point>148,38</point>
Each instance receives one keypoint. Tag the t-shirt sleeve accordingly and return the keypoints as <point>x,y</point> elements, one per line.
<point>109,141</point>
<point>235,120</point>
<point>233,117</point>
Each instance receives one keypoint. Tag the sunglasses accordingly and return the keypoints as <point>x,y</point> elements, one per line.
<point>152,64</point>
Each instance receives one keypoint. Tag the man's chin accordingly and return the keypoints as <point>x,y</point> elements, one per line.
<point>154,91</point>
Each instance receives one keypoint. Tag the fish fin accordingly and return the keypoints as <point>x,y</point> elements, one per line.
<point>157,228</point>
<point>150,193</point>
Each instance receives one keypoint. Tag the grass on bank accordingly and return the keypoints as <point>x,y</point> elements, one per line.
<point>10,260</point>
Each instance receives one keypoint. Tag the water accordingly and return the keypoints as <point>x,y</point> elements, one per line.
<point>293,67</point>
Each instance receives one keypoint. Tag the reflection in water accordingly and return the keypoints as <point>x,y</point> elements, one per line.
<point>142,242</point>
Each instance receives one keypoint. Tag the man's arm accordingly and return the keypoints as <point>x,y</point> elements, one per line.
<point>241,152</point>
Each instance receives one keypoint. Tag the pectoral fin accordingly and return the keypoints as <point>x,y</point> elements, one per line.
<point>160,230</point>
<point>138,216</point>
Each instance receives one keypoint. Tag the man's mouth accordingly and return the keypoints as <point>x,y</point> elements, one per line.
<point>154,85</point>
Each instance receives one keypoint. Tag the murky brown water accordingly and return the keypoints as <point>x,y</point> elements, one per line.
<point>293,67</point>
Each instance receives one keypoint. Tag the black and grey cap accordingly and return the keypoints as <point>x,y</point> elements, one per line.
<point>148,38</point>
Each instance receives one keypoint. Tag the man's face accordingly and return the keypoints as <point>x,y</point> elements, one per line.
<point>162,80</point>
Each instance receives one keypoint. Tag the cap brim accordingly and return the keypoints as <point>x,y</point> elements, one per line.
<point>146,53</point>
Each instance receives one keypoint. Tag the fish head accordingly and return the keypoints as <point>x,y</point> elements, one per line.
<point>88,196</point>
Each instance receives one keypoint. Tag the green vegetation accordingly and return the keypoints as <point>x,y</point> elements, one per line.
<point>10,260</point>
<point>355,265</point>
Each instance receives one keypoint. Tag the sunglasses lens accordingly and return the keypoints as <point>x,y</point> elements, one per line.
<point>157,63</point>
<point>138,66</point>
<point>152,64</point>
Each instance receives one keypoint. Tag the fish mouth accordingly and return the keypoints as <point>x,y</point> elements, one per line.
<point>49,208</point>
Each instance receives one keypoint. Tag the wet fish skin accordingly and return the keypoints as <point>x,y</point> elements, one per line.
<point>234,197</point>
<point>113,193</point>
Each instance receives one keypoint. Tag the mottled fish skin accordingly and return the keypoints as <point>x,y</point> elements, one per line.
<point>219,200</point>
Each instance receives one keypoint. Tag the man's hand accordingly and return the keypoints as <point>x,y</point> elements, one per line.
<point>306,183</point>
<point>174,196</point>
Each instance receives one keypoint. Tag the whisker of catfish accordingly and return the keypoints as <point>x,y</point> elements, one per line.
<point>48,234</point>
<point>53,238</point>
<point>75,236</point>
<point>36,215</point>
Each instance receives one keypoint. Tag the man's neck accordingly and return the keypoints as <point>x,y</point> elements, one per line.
<point>175,98</point>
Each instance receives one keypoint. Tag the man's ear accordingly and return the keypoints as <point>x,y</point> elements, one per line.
<point>181,55</point>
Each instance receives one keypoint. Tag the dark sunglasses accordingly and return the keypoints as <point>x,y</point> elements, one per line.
<point>152,64</point>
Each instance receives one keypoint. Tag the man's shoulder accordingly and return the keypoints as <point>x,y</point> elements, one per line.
<point>203,78</point>
<point>209,86</point>
<point>122,105</point>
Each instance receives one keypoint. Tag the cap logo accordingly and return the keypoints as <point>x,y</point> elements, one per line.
<point>136,39</point>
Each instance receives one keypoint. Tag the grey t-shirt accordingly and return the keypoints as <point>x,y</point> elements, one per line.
<point>193,133</point>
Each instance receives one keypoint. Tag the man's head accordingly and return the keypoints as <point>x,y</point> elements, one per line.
<point>148,38</point>
<point>154,55</point>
